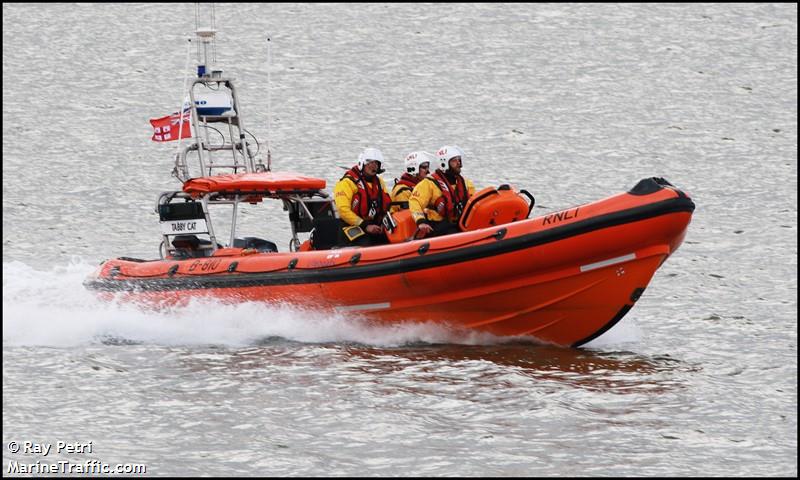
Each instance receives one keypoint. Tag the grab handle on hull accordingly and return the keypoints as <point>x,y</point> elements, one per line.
<point>533,201</point>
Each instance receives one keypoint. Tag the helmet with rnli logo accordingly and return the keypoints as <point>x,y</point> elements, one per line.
<point>415,159</point>
<point>447,152</point>
<point>369,155</point>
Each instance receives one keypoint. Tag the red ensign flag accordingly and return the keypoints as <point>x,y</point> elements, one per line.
<point>167,128</point>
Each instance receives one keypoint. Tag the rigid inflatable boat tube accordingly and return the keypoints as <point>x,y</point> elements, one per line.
<point>430,260</point>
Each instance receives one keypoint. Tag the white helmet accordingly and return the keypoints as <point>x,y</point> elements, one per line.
<point>415,159</point>
<point>446,153</point>
<point>368,155</point>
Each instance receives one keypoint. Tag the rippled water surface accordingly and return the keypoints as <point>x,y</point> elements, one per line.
<point>572,102</point>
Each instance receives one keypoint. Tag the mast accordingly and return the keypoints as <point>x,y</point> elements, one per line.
<point>215,108</point>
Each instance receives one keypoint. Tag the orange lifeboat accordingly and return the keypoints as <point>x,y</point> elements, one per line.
<point>563,278</point>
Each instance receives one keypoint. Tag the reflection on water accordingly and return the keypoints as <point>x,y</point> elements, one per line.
<point>421,365</point>
<point>615,372</point>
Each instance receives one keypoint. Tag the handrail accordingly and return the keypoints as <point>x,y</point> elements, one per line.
<point>533,201</point>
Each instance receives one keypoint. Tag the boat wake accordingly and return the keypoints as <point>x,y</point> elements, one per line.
<point>52,308</point>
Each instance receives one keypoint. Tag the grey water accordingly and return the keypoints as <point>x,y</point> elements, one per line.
<point>573,102</point>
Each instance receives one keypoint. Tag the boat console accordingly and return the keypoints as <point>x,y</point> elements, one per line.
<point>190,246</point>
<point>259,244</point>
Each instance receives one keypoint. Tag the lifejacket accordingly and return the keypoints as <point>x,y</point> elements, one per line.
<point>370,202</point>
<point>451,204</point>
<point>408,181</point>
<point>406,184</point>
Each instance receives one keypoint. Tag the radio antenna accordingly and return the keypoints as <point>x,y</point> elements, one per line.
<point>269,101</point>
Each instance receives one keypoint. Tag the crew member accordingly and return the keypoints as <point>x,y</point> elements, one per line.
<point>438,201</point>
<point>418,165</point>
<point>362,201</point>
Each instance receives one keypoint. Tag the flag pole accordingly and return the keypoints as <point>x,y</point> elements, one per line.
<point>183,93</point>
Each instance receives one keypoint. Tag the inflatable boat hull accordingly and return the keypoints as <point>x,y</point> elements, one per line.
<point>563,278</point>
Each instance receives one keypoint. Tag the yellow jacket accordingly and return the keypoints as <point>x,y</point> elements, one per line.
<point>343,194</point>
<point>400,193</point>
<point>424,197</point>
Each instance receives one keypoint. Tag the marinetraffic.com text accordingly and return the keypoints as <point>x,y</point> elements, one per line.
<point>30,464</point>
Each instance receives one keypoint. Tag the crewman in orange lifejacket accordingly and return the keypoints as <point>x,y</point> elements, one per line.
<point>418,165</point>
<point>437,201</point>
<point>362,201</point>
